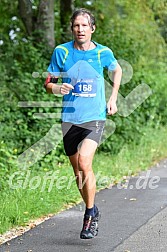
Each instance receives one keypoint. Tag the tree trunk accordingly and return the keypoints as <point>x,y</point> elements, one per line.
<point>42,26</point>
<point>66,9</point>
<point>45,22</point>
<point>25,12</point>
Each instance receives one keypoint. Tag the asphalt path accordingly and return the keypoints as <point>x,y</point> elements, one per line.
<point>134,219</point>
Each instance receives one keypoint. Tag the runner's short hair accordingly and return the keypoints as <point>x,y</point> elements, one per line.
<point>83,11</point>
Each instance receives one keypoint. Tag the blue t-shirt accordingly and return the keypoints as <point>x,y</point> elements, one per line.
<point>84,70</point>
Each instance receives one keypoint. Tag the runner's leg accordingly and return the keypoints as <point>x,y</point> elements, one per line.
<point>82,165</point>
<point>74,162</point>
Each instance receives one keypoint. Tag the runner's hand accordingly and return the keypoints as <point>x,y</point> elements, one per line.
<point>111,107</point>
<point>66,88</point>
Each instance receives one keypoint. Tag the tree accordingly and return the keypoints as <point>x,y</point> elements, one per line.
<point>40,25</point>
<point>66,8</point>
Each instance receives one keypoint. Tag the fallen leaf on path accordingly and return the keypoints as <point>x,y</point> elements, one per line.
<point>132,199</point>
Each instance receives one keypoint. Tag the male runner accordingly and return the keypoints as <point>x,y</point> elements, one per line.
<point>80,64</point>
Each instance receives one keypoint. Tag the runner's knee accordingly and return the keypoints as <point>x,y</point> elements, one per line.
<point>85,164</point>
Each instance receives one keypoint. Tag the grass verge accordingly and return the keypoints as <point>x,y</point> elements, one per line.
<point>31,194</point>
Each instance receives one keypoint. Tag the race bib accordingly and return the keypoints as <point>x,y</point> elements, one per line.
<point>85,88</point>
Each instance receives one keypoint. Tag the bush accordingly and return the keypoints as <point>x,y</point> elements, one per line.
<point>132,38</point>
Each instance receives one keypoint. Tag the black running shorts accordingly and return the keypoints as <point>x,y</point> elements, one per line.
<point>74,134</point>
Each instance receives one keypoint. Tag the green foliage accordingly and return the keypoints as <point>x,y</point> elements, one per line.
<point>160,15</point>
<point>132,33</point>
<point>129,29</point>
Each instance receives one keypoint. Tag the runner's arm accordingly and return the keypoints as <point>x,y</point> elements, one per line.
<point>52,87</point>
<point>116,78</point>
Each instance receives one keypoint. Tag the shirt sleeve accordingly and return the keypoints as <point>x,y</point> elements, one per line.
<point>109,60</point>
<point>56,64</point>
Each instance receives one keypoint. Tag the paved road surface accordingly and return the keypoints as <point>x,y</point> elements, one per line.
<point>133,220</point>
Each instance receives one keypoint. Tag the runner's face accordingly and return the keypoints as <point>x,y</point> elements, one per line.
<point>82,29</point>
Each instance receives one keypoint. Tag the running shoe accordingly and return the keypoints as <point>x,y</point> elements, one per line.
<point>90,226</point>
